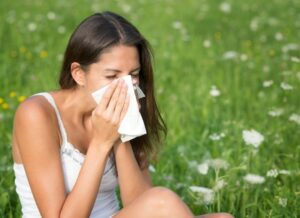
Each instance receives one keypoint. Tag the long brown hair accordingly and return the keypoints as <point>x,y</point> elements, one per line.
<point>89,40</point>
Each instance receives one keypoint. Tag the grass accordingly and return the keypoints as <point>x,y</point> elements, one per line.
<point>197,45</point>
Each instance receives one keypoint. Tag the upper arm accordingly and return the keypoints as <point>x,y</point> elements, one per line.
<point>147,175</point>
<point>40,153</point>
<point>145,168</point>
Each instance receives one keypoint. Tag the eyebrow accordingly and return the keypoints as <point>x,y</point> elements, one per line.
<point>118,71</point>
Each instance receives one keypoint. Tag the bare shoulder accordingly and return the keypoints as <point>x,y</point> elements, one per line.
<point>34,119</point>
<point>35,110</point>
<point>34,107</point>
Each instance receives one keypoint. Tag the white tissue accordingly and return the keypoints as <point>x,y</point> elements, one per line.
<point>132,124</point>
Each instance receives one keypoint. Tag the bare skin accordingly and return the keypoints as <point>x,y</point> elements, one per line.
<point>92,129</point>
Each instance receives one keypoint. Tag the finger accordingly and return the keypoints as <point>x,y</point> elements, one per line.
<point>125,107</point>
<point>120,104</point>
<point>114,99</point>
<point>108,94</point>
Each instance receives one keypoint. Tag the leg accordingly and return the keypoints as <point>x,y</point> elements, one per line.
<point>158,202</point>
<point>215,215</point>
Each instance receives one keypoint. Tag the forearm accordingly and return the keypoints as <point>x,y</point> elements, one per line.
<point>131,179</point>
<point>80,200</point>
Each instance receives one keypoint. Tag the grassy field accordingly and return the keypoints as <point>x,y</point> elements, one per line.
<point>222,69</point>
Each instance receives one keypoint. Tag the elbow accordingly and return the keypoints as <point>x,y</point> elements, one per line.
<point>126,200</point>
<point>72,214</point>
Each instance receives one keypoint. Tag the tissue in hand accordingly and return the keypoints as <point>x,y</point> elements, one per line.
<point>132,124</point>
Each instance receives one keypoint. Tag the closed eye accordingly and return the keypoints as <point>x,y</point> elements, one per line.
<point>111,77</point>
<point>136,73</point>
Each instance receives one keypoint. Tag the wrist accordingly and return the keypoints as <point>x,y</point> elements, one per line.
<point>122,146</point>
<point>100,147</point>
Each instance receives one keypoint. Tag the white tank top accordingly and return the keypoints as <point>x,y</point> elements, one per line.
<point>106,203</point>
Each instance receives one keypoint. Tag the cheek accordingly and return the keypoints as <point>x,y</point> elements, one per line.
<point>98,84</point>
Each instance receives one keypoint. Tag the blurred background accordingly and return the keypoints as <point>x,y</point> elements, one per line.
<point>227,76</point>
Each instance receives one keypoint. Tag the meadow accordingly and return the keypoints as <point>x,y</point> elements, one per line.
<point>227,82</point>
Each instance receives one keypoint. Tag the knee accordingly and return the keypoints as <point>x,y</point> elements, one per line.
<point>225,215</point>
<point>161,197</point>
<point>216,215</point>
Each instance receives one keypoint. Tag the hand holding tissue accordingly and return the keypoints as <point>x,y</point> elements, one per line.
<point>132,125</point>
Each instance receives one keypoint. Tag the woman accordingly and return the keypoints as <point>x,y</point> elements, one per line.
<point>68,155</point>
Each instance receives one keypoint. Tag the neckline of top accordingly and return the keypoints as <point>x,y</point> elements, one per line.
<point>61,124</point>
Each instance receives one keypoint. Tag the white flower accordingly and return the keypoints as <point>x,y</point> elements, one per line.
<point>254,24</point>
<point>252,137</point>
<point>230,55</point>
<point>272,173</point>
<point>243,57</point>
<point>295,59</point>
<point>218,164</point>
<point>278,36</point>
<point>286,86</point>
<point>284,172</point>
<point>217,137</point>
<point>290,47</point>
<point>61,29</point>
<point>31,26</point>
<point>219,185</point>
<point>268,83</point>
<point>60,57</point>
<point>282,202</point>
<point>214,91</point>
<point>254,179</point>
<point>225,7</point>
<point>203,168</point>
<point>177,25</point>
<point>206,194</point>
<point>95,7</point>
<point>206,43</point>
<point>51,15</point>
<point>151,168</point>
<point>295,118</point>
<point>276,112</point>
<point>126,8</point>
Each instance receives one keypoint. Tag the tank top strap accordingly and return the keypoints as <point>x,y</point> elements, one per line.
<point>50,99</point>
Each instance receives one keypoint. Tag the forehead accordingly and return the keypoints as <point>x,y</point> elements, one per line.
<point>120,55</point>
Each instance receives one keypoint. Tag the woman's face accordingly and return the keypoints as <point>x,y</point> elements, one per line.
<point>114,63</point>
